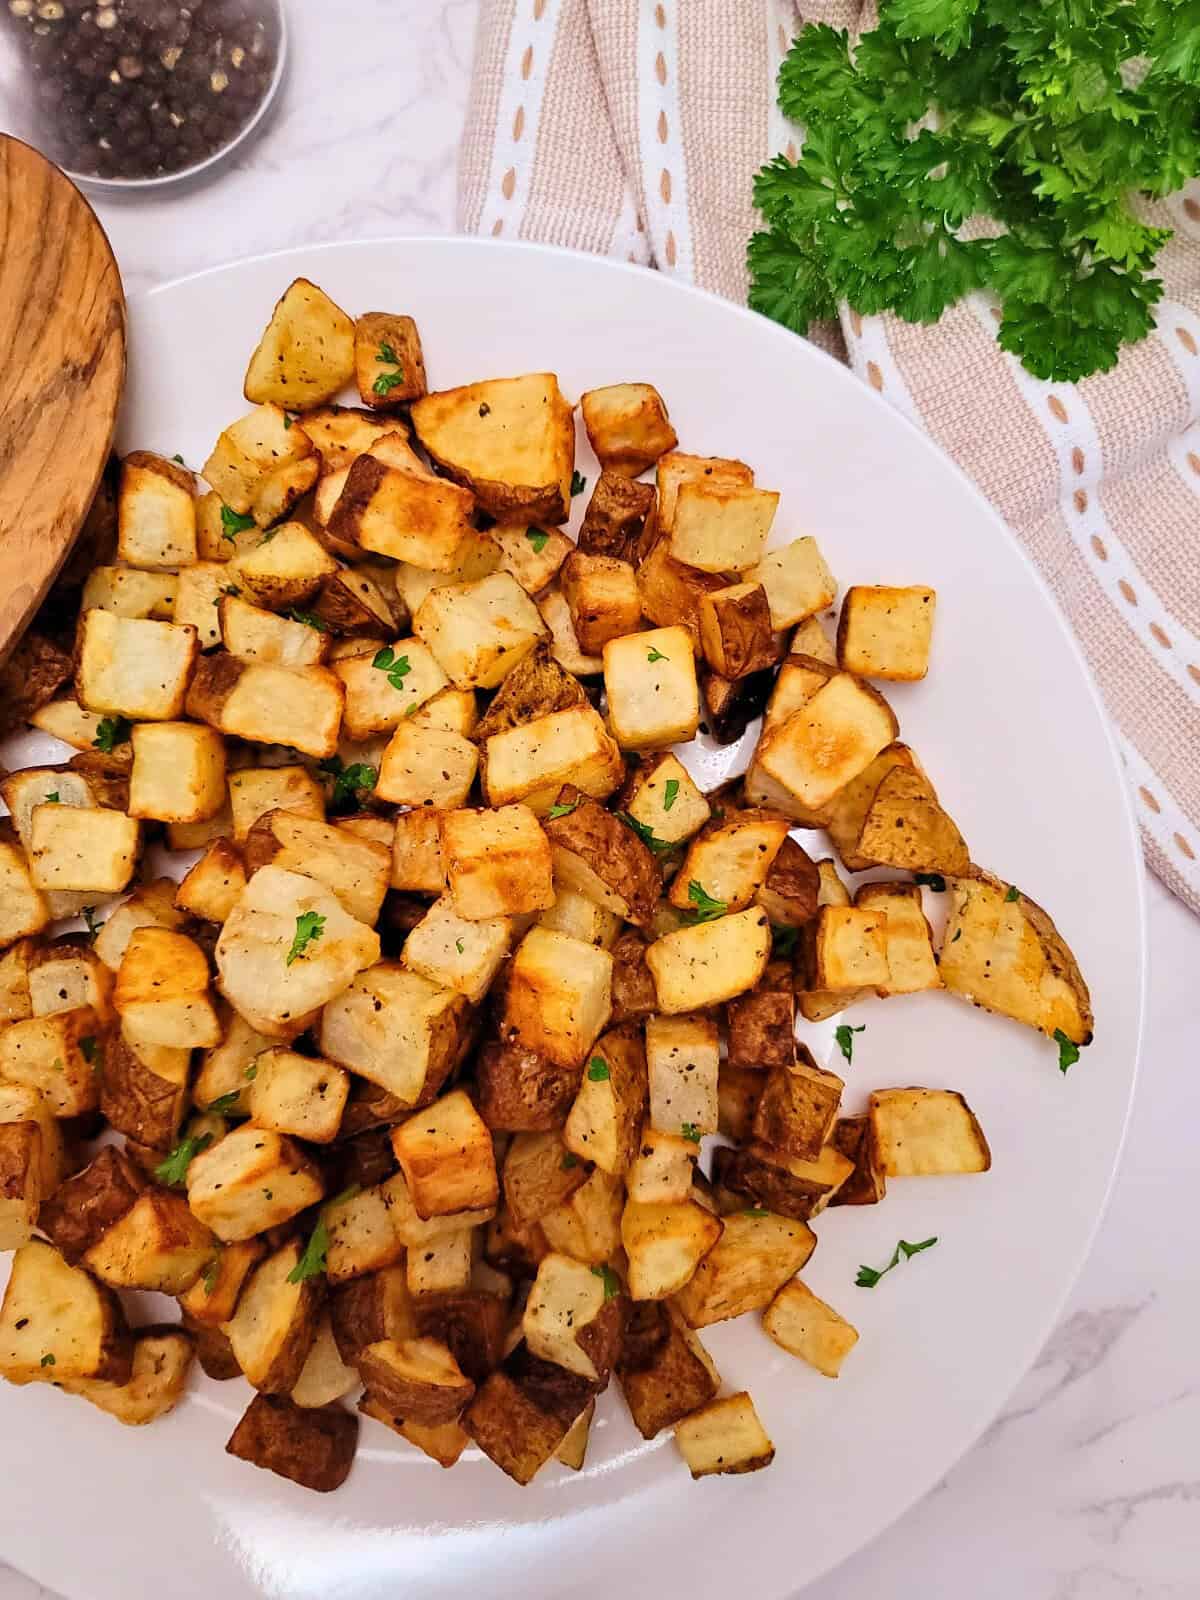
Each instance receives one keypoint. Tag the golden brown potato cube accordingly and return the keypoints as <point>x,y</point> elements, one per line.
<point>355,869</point>
<point>362,1236</point>
<point>445,1153</point>
<point>210,889</point>
<point>908,937</point>
<point>298,1095</point>
<point>157,1245</point>
<point>524,1411</point>
<point>389,367</point>
<point>572,1452</point>
<point>162,1358</point>
<point>789,892</point>
<point>23,907</point>
<point>605,1122</point>
<point>67,720</point>
<point>665,1244</point>
<point>682,1059</point>
<point>213,1299</point>
<point>298,706</point>
<point>735,630</point>
<point>540,1174</point>
<point>574,914</point>
<point>417,1379</point>
<point>285,569</point>
<point>247,455</point>
<point>886,633</point>
<point>161,993</point>
<point>866,1185</point>
<point>829,741</point>
<point>251,1180</point>
<point>806,1327</point>
<point>497,863</point>
<point>339,433</point>
<point>255,791</point>
<point>762,1029</point>
<point>532,556</point>
<point>845,814</point>
<point>459,954</point>
<point>738,1089</point>
<point>150,905</point>
<point>811,639</point>
<point>534,688</point>
<point>417,852</point>
<point>369,1309</point>
<point>398,1030</point>
<point>797,581</point>
<point>602,595</point>
<point>403,513</point>
<point>565,647</point>
<point>351,603</point>
<point>798,1108</point>
<point>313,1447</point>
<point>728,862</point>
<point>532,761</point>
<point>132,667</point>
<point>76,848</point>
<point>922,1132</point>
<point>21,1182</point>
<point>216,538</point>
<point>426,767</point>
<point>306,353</point>
<point>720,527</point>
<point>143,1088</point>
<point>477,555</point>
<point>798,679</point>
<point>479,632</point>
<point>511,440</point>
<point>178,772</point>
<point>471,1325</point>
<point>711,962</point>
<point>676,469</point>
<point>130,592</point>
<point>587,1226</point>
<point>156,512</point>
<point>905,826</point>
<point>627,426</point>
<point>29,787</point>
<point>198,592</point>
<point>661,794</point>
<point>520,1092</point>
<point>275,1323</point>
<point>653,697</point>
<point>617,516</point>
<point>57,1056</point>
<point>441,1265</point>
<point>663,1170</point>
<point>443,1442</point>
<point>599,856</point>
<point>15,1002</point>
<point>557,996</point>
<point>665,1372</point>
<point>573,1318</point>
<point>724,1436</point>
<point>52,1309</point>
<point>745,1269</point>
<point>845,947</point>
<point>767,1180</point>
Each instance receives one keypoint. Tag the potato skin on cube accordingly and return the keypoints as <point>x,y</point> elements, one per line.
<point>627,426</point>
<point>306,353</point>
<point>664,1371</point>
<point>599,856</point>
<point>524,1411</point>
<point>314,1448</point>
<point>389,366</point>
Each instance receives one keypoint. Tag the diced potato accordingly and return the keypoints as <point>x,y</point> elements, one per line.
<point>511,440</point>
<point>665,1244</point>
<point>557,996</point>
<point>284,569</point>
<point>67,720</point>
<point>417,853</point>
<point>426,767</point>
<point>619,517</point>
<point>178,772</point>
<point>398,1030</point>
<point>711,962</point>
<point>275,1323</point>
<point>762,1026</point>
<point>662,795</point>
<point>682,1059</point>
<point>384,688</point>
<point>574,914</point>
<point>565,647</point>
<point>477,555</point>
<point>518,1091</point>
<point>363,1237</point>
<point>745,1269</point>
<point>627,426</point>
<point>459,954</point>
<point>665,1372</point>
<point>724,1436</point>
<point>904,825</point>
<point>211,888</point>
<point>602,596</point>
<point>598,855</point>
<point>132,667</point>
<point>339,433</point>
<point>605,1122</point>
<point>298,706</point>
<point>845,947</point>
<point>76,848</point>
<point>23,908</point>
<point>441,1266</point>
<point>533,761</point>
<point>769,1180</point>
<point>532,555</point>
<point>663,1169</point>
<point>151,905</point>
<point>797,581</point>
<point>587,1225</point>
<point>325,1377</point>
<point>675,469</point>
<point>389,367</point>
<point>653,697</point>
<point>213,1299</point>
<point>22,1179</point>
<point>572,1452</point>
<point>572,1318</point>
<point>924,1132</point>
<point>729,860</point>
<point>162,1358</point>
<point>445,1153</point>
<point>158,1245</point>
<point>161,993</point>
<point>721,527</point>
<point>253,634</point>
<point>298,1095</point>
<point>908,937</point>
<point>249,456</point>
<point>806,1327</point>
<point>130,593</point>
<point>402,512</point>
<point>479,631</point>
<point>156,512</point>
<point>52,1309</point>
<point>15,1000</point>
<point>497,863</point>
<point>313,1447</point>
<point>255,791</point>
<point>144,1088</point>
<point>735,630</point>
<point>540,1173</point>
<point>866,1184</point>
<point>798,1108</point>
<point>306,353</point>
<point>671,593</point>
<point>789,891</point>
<point>886,633</point>
<point>356,870</point>
<point>417,1379</point>
<point>249,1181</point>
<point>524,1410</point>
<point>197,599</point>
<point>829,740</point>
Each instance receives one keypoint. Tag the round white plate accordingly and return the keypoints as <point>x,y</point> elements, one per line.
<point>1011,730</point>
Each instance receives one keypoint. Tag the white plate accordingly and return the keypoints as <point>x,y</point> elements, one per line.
<point>1011,729</point>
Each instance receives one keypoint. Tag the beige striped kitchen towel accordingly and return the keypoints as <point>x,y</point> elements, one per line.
<point>633,128</point>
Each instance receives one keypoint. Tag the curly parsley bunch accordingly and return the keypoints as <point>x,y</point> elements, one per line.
<point>1045,116</point>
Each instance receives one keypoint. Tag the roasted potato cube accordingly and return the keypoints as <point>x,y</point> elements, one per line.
<point>784,1185</point>
<point>389,367</point>
<point>132,667</point>
<point>254,634</point>
<point>573,1318</point>
<point>676,469</point>
<point>15,1001</point>
<point>370,1309</point>
<point>564,646</point>
<point>55,1055</point>
<point>477,555</point>
<point>664,1371</point>
<point>314,1447</point>
<point>441,1265</point>
<point>921,1132</point>
<point>633,993</point>
<point>605,1122</point>
<point>417,1379</point>
<point>905,826</point>
<point>248,456</point>
<point>161,993</point>
<point>214,1297</point>
<point>67,720</point>
<point>398,1030</point>
<point>178,772</point>
<point>520,1092</point>
<point>363,1235</point>
<point>22,1187</point>
<point>829,741</point>
<point>665,1244</point>
<point>497,863</point>
<point>151,905</point>
<point>339,433</point>
<point>325,1376</point>
<point>23,908</point>
<point>627,426</point>
<point>156,1245</point>
<point>682,1058</point>
<point>798,1108</point>
<point>299,706</point>
<point>811,639</point>
<point>532,556</point>
<point>729,861</point>
<point>255,791</point>
<point>735,630</point>
<point>599,856</point>
<point>275,1323</point>
<point>534,688</point>
<point>557,996</point>
<point>298,1095</point>
<point>156,512</point>
<point>806,1327</point>
<point>143,1088</point>
<point>671,592</point>
<point>886,633</point>
<point>198,594</point>
<point>471,1325</point>
<point>617,517</point>
<point>417,852</point>
<point>285,569</point>
<point>762,1029</point>
<point>845,948</point>
<point>306,353</point>
<point>724,1436</point>
<point>459,954</point>
<point>908,937</point>
<point>355,869</point>
<point>653,698</point>
<point>602,595</point>
<point>572,1452</point>
<point>401,512</point>
<point>511,440</point>
<point>587,1226</point>
<point>790,890</point>
<point>479,632</point>
<point>130,593</point>
<point>720,527</point>
<point>54,1310</point>
<point>524,1411</point>
<point>711,962</point>
<point>426,767</point>
<point>162,1358</point>
<point>574,914</point>
<point>747,1266</point>
<point>540,1173</point>
<point>251,1180</point>
<point>443,1442</point>
<point>866,1185</point>
<point>663,1169</point>
<point>532,761</point>
<point>445,1153</point>
<point>797,581</point>
<point>71,847</point>
<point>210,889</point>
<point>662,795</point>
<point>385,687</point>
<point>798,679</point>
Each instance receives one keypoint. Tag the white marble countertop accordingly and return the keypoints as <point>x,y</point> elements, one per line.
<point>1088,1486</point>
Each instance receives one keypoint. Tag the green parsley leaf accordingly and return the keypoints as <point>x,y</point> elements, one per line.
<point>783,940</point>
<point>388,355</point>
<point>251,1072</point>
<point>233,523</point>
<point>225,1103</point>
<point>537,538</point>
<point>578,484</point>
<point>932,880</point>
<point>598,1070</point>
<point>755,1211</point>
<point>180,460</point>
<point>231,589</point>
<point>90,1048</point>
<point>569,1161</point>
<point>563,810</point>
<point>314,1256</point>
<point>309,927</point>
<point>612,1284</point>
<point>653,655</point>
<point>52,799</point>
<point>957,936</point>
<point>211,1273</point>
<point>1013,894</point>
<point>670,793</point>
<point>48,1361</point>
<point>1068,1050</point>
<point>288,419</point>
<point>706,907</point>
<point>458,945</point>
<point>173,1170</point>
<point>387,381</point>
<point>645,833</point>
<point>309,619</point>
<point>396,667</point>
<point>348,781</point>
<point>110,732</point>
<point>868,1277</point>
<point>845,1039</point>
<point>690,1132</point>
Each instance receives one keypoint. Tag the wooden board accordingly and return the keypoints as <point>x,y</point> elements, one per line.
<point>62,366</point>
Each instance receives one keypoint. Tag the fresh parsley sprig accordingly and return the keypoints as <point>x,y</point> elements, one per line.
<point>110,732</point>
<point>173,1170</point>
<point>396,667</point>
<point>348,781</point>
<point>314,1258</point>
<point>310,925</point>
<point>844,1034</point>
<point>868,1277</point>
<point>233,523</point>
<point>706,907</point>
<point>645,833</point>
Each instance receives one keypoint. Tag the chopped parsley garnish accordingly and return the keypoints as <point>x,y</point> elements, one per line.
<point>1013,894</point>
<point>754,1211</point>
<point>387,355</point>
<point>314,1257</point>
<point>707,908</point>
<point>309,619</point>
<point>90,1048</point>
<point>957,936</point>
<point>932,880</point>
<point>537,538</point>
<point>670,793</point>
<point>569,1160</point>
<point>645,833</point>
<point>52,799</point>
<point>110,732</point>
<point>288,419</point>
<point>48,1361</point>
<point>598,1070</point>
<point>868,1277</point>
<point>251,1072</point>
<point>231,589</point>
<point>173,1171</point>
<point>578,484</point>
<point>211,1273</point>
<point>396,667</point>
<point>563,809</point>
<point>458,945</point>
<point>612,1284</point>
<point>783,940</point>
<point>310,925</point>
<point>690,1132</point>
<point>844,1034</point>
<point>1068,1050</point>
<point>358,778</point>
<point>233,523</point>
<point>653,655</point>
<point>180,460</point>
<point>387,381</point>
<point>225,1103</point>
